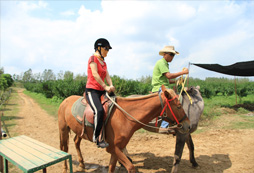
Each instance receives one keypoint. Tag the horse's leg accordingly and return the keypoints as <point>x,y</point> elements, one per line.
<point>64,141</point>
<point>77,141</point>
<point>191,151</point>
<point>122,158</point>
<point>125,151</point>
<point>180,141</point>
<point>112,163</point>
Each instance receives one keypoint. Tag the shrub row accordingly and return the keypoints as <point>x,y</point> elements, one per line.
<point>223,86</point>
<point>124,87</point>
<point>64,88</point>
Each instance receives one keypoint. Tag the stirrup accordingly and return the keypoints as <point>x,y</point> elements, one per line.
<point>102,144</point>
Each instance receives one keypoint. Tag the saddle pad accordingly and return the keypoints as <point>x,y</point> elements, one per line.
<point>78,109</point>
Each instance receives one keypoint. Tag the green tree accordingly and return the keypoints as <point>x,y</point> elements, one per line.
<point>1,70</point>
<point>48,75</point>
<point>3,83</point>
<point>68,75</point>
<point>8,79</point>
<point>28,76</point>
<point>81,77</point>
<point>60,75</point>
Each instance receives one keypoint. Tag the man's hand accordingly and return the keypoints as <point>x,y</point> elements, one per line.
<point>185,71</point>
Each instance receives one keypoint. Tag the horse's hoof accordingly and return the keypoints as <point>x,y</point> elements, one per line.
<point>81,166</point>
<point>196,166</point>
<point>81,169</point>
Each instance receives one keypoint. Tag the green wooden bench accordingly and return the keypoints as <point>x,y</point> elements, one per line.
<point>30,155</point>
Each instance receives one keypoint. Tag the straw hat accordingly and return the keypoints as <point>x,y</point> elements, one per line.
<point>168,49</point>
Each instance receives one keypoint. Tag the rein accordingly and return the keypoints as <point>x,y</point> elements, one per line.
<point>171,127</point>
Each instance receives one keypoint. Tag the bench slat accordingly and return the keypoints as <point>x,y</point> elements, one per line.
<point>35,160</point>
<point>31,155</point>
<point>30,149</point>
<point>15,158</point>
<point>44,147</point>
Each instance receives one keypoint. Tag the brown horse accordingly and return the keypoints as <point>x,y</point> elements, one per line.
<point>120,127</point>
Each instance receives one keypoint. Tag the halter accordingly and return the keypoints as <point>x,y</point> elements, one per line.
<point>164,108</point>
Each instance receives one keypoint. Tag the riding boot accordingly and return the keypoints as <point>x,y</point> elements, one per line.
<point>101,139</point>
<point>102,144</point>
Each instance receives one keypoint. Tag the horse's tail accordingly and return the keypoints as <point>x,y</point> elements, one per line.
<point>64,129</point>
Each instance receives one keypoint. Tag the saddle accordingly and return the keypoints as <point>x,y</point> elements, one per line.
<point>83,113</point>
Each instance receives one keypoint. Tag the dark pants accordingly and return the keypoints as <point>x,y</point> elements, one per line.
<point>94,100</point>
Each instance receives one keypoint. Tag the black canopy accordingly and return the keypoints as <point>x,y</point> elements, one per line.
<point>238,69</point>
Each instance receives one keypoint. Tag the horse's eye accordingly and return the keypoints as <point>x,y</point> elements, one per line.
<point>179,106</point>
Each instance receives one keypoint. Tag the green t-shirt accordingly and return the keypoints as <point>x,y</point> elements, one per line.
<point>158,79</point>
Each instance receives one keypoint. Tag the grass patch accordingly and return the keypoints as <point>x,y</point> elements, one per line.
<point>245,122</point>
<point>214,106</point>
<point>222,112</point>
<point>10,111</point>
<point>199,130</point>
<point>143,131</point>
<point>242,111</point>
<point>50,105</point>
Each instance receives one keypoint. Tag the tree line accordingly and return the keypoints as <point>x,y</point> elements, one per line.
<point>5,80</point>
<point>64,84</point>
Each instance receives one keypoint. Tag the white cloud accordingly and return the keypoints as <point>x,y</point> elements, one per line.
<point>68,13</point>
<point>203,32</point>
<point>27,6</point>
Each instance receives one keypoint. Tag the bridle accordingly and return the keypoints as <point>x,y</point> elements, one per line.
<point>169,106</point>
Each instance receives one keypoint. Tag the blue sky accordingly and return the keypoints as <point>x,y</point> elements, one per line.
<point>59,35</point>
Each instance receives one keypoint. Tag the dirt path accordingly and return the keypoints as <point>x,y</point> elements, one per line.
<point>216,150</point>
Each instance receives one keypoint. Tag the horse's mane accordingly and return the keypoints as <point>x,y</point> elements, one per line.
<point>139,97</point>
<point>143,97</point>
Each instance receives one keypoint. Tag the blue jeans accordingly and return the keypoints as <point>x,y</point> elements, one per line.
<point>164,124</point>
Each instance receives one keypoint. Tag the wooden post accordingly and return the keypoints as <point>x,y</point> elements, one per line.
<point>188,75</point>
<point>235,93</point>
<point>1,158</point>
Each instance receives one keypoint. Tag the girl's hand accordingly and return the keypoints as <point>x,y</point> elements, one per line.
<point>108,89</point>
<point>112,88</point>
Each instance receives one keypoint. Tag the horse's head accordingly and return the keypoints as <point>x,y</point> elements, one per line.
<point>174,110</point>
<point>194,107</point>
<point>193,91</point>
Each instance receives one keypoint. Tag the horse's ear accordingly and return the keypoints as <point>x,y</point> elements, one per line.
<point>165,91</point>
<point>167,94</point>
<point>163,88</point>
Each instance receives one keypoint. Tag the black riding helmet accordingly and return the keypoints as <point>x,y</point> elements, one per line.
<point>101,42</point>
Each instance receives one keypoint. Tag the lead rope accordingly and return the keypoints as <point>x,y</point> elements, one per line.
<point>171,127</point>
<point>182,82</point>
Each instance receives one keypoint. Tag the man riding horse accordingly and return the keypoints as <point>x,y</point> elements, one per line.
<point>162,76</point>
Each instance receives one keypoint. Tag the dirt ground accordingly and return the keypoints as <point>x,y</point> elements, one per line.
<point>216,149</point>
